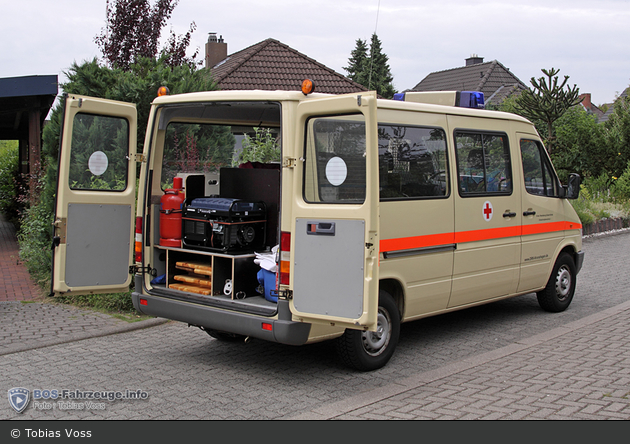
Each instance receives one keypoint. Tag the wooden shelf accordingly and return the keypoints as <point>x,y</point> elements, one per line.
<point>232,275</point>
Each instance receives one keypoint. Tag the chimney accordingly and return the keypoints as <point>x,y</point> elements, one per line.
<point>586,102</point>
<point>216,50</point>
<point>474,59</point>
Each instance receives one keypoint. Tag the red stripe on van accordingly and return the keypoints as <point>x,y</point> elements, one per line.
<point>435,240</point>
<point>550,227</point>
<point>409,243</point>
<point>491,233</point>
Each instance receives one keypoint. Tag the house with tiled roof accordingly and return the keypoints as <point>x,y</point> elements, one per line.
<point>590,107</point>
<point>491,78</point>
<point>611,108</point>
<point>271,65</point>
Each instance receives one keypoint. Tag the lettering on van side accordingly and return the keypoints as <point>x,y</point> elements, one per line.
<point>536,258</point>
<point>544,217</point>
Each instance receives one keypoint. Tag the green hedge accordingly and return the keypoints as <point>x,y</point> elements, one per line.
<point>9,178</point>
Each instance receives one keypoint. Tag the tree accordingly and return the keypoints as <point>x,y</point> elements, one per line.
<point>133,32</point>
<point>371,71</point>
<point>579,146</point>
<point>358,63</point>
<point>548,101</point>
<point>617,137</point>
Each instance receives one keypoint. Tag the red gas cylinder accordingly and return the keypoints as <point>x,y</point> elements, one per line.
<point>171,215</point>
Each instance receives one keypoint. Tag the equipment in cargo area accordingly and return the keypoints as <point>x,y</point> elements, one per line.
<point>194,278</point>
<point>171,215</point>
<point>224,225</point>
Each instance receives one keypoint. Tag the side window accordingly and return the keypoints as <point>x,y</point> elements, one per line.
<point>540,178</point>
<point>483,163</point>
<point>335,160</point>
<point>412,162</point>
<point>99,153</point>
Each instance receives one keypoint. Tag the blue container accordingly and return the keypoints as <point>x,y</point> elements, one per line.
<point>268,280</point>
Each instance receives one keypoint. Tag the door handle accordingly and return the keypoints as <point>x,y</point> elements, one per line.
<point>507,214</point>
<point>529,213</point>
<point>320,228</point>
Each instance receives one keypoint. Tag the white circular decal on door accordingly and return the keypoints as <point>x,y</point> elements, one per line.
<point>336,171</point>
<point>98,163</point>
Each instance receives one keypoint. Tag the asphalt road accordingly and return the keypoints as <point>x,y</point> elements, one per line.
<point>185,374</point>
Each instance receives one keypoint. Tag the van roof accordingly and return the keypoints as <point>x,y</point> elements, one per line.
<point>279,96</point>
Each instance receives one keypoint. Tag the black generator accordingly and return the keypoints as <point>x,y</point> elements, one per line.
<point>224,225</point>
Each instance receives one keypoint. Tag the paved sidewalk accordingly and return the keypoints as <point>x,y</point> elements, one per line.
<point>580,371</point>
<point>28,319</point>
<point>15,281</point>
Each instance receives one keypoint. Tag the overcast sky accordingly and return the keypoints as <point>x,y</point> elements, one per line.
<point>588,40</point>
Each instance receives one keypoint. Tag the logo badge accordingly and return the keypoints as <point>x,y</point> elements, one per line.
<point>487,211</point>
<point>18,398</point>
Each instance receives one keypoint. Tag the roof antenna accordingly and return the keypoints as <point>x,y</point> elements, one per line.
<point>371,55</point>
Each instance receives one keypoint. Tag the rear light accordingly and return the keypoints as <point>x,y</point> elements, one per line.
<point>285,257</point>
<point>138,243</point>
<point>267,326</point>
<point>143,302</point>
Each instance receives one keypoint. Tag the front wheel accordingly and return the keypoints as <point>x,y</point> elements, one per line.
<point>371,350</point>
<point>558,293</point>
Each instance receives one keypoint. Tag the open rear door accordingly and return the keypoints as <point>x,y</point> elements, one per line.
<point>96,186</point>
<point>334,240</point>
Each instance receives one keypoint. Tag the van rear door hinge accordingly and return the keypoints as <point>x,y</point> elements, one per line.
<point>133,269</point>
<point>282,294</point>
<point>289,162</point>
<point>139,157</point>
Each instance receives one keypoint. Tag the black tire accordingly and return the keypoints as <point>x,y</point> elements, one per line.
<point>224,336</point>
<point>558,293</point>
<point>367,350</point>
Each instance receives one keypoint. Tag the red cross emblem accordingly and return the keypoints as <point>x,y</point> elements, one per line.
<point>487,211</point>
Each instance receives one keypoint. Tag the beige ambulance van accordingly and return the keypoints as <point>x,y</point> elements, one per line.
<point>374,212</point>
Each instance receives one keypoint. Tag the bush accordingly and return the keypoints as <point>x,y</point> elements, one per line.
<point>598,188</point>
<point>35,237</point>
<point>263,147</point>
<point>9,176</point>
<point>621,186</point>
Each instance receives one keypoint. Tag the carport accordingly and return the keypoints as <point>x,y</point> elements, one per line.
<point>24,105</point>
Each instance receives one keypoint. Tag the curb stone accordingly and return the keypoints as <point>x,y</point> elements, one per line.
<point>73,337</point>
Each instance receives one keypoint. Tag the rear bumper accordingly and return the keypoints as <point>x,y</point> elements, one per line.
<point>282,331</point>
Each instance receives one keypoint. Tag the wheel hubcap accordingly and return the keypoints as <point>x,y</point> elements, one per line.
<point>563,283</point>
<point>375,342</point>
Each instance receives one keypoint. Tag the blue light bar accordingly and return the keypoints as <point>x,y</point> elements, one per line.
<point>463,99</point>
<point>470,99</point>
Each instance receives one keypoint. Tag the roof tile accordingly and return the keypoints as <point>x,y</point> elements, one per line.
<point>491,78</point>
<point>272,65</point>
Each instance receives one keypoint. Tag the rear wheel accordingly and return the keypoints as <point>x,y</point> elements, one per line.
<point>558,293</point>
<point>371,350</point>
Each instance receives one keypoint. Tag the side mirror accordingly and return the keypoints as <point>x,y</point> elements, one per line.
<point>573,188</point>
